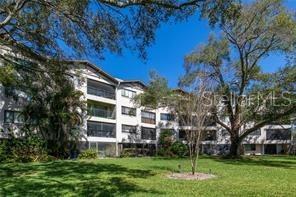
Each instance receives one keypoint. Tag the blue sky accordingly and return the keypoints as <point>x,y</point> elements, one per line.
<point>166,54</point>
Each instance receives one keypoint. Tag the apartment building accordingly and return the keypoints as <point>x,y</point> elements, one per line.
<point>114,123</point>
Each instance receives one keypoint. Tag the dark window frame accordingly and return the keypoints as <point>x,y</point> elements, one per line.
<point>210,135</point>
<point>168,117</point>
<point>151,133</point>
<point>110,134</point>
<point>279,134</point>
<point>131,109</point>
<point>14,117</point>
<point>134,128</point>
<point>133,93</point>
<point>148,120</point>
<point>251,147</point>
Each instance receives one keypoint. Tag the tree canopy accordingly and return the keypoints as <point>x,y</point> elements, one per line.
<point>71,28</point>
<point>232,60</point>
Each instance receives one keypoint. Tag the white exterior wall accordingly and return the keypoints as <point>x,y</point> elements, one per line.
<point>93,74</point>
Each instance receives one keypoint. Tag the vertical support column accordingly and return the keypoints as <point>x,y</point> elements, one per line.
<point>116,149</point>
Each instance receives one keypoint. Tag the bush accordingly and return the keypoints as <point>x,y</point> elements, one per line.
<point>129,152</point>
<point>179,149</point>
<point>88,154</point>
<point>134,152</point>
<point>165,143</point>
<point>28,149</point>
<point>3,151</point>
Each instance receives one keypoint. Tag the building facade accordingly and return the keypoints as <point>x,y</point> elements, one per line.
<point>114,123</point>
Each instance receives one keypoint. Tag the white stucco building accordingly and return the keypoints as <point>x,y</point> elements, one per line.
<point>115,123</point>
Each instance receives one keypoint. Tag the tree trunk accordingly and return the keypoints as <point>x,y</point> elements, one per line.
<point>193,165</point>
<point>234,146</point>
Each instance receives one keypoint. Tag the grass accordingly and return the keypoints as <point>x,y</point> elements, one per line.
<point>252,176</point>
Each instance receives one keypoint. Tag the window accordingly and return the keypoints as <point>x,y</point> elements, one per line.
<point>148,133</point>
<point>100,89</point>
<point>278,134</point>
<point>148,117</point>
<point>167,117</point>
<point>13,117</point>
<point>101,129</point>
<point>129,129</point>
<point>250,147</point>
<point>128,93</point>
<point>209,135</point>
<point>182,134</point>
<point>128,111</point>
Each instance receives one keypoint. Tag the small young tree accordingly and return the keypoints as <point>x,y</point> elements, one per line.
<point>190,107</point>
<point>193,110</point>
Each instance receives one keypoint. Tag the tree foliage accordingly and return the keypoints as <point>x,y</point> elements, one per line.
<point>41,29</point>
<point>37,36</point>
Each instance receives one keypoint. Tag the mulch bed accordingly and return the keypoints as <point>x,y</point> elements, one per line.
<point>189,176</point>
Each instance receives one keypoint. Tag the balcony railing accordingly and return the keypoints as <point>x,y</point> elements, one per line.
<point>278,134</point>
<point>148,120</point>
<point>100,129</point>
<point>100,92</point>
<point>101,133</point>
<point>97,112</point>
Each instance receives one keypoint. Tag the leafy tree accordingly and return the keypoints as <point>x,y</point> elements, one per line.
<point>52,107</point>
<point>37,36</point>
<point>251,97</point>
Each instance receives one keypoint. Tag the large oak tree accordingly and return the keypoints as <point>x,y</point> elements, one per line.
<point>251,97</point>
<point>38,36</point>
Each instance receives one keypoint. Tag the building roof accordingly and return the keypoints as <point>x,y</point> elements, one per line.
<point>134,81</point>
<point>116,80</point>
<point>85,62</point>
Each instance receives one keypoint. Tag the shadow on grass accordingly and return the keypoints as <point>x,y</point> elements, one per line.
<point>74,178</point>
<point>267,161</point>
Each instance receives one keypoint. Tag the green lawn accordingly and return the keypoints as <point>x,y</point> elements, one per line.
<point>257,176</point>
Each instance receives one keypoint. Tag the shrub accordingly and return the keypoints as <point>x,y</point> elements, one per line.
<point>88,154</point>
<point>3,151</point>
<point>134,152</point>
<point>179,149</point>
<point>28,149</point>
<point>129,152</point>
<point>165,143</point>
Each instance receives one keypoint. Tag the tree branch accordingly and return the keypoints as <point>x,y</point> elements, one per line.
<point>268,120</point>
<point>128,3</point>
<point>18,6</point>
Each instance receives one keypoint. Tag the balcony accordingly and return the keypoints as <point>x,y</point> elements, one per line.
<point>101,129</point>
<point>147,120</point>
<point>100,89</point>
<point>102,113</point>
<point>100,92</point>
<point>278,134</point>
